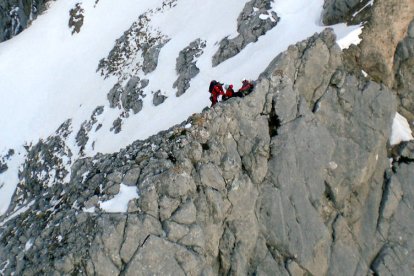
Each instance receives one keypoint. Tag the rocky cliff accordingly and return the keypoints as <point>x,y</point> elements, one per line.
<point>298,178</point>
<point>16,15</point>
<point>293,179</point>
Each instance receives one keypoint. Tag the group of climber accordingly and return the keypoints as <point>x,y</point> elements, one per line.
<point>216,90</point>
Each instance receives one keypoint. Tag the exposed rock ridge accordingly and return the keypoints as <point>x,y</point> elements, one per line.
<point>289,180</point>
<point>404,74</point>
<point>186,65</point>
<point>17,15</point>
<point>254,21</point>
<point>346,11</point>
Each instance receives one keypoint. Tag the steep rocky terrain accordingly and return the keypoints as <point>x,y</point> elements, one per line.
<point>264,184</point>
<point>298,178</point>
<point>16,15</point>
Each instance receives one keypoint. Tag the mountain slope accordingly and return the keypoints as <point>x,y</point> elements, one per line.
<point>56,78</point>
<point>275,163</point>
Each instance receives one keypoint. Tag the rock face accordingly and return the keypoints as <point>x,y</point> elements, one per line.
<point>254,21</point>
<point>186,65</point>
<point>349,11</point>
<point>387,27</point>
<point>288,180</point>
<point>16,15</point>
<point>404,74</point>
<point>158,98</point>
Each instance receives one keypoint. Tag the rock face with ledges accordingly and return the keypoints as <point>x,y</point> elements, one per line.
<point>288,180</point>
<point>347,11</point>
<point>254,21</point>
<point>16,15</point>
<point>404,73</point>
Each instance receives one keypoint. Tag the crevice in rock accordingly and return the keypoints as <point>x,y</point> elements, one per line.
<point>385,192</point>
<point>125,268</point>
<point>329,194</point>
<point>274,122</point>
<point>205,146</point>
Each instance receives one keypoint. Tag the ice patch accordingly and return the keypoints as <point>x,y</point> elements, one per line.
<point>401,130</point>
<point>352,38</point>
<point>119,204</point>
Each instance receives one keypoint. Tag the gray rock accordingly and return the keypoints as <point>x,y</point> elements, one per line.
<point>186,65</point>
<point>158,98</point>
<point>186,214</point>
<point>288,180</point>
<point>114,95</point>
<point>349,11</point>
<point>150,55</point>
<point>131,177</point>
<point>210,176</point>
<point>15,16</point>
<point>131,95</point>
<point>250,27</point>
<point>394,256</point>
<point>76,18</point>
<point>155,251</point>
<point>404,74</point>
<point>116,125</point>
<point>136,232</point>
<point>175,231</point>
<point>3,167</point>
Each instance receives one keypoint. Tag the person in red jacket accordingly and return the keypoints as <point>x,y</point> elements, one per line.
<point>246,88</point>
<point>229,92</point>
<point>216,91</point>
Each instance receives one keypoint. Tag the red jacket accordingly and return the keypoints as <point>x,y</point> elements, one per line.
<point>217,90</point>
<point>230,91</point>
<point>246,86</point>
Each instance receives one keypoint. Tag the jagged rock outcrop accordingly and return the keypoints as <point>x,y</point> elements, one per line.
<point>76,18</point>
<point>404,74</point>
<point>128,97</point>
<point>254,21</point>
<point>82,137</point>
<point>186,65</point>
<point>138,48</point>
<point>158,98</point>
<point>349,11</point>
<point>16,15</point>
<point>386,28</point>
<point>397,217</point>
<point>288,180</point>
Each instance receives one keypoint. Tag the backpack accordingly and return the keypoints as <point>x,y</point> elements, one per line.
<point>212,84</point>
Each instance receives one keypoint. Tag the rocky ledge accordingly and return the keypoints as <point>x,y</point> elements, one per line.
<point>292,180</point>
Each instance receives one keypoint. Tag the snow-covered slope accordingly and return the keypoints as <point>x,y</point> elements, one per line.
<point>49,75</point>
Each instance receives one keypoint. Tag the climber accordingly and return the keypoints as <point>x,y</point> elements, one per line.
<point>246,89</point>
<point>229,92</point>
<point>216,89</point>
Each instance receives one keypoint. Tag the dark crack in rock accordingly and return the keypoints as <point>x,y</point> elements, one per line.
<point>186,65</point>
<point>254,21</point>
